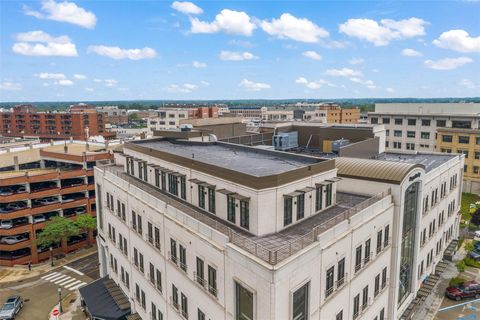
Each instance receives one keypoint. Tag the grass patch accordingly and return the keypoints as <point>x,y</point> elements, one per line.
<point>471,263</point>
<point>461,266</point>
<point>467,199</point>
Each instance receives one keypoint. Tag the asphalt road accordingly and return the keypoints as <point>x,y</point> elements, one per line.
<point>41,295</point>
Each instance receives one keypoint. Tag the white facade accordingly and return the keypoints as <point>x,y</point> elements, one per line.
<point>413,126</point>
<point>270,261</point>
<point>166,119</point>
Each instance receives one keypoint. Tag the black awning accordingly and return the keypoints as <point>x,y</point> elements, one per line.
<point>104,299</point>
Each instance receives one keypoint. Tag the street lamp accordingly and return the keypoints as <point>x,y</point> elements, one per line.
<point>60,300</point>
<point>51,256</point>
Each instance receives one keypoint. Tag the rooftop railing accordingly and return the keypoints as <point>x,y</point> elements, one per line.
<point>250,244</point>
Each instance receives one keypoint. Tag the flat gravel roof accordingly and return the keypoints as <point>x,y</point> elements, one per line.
<point>243,159</point>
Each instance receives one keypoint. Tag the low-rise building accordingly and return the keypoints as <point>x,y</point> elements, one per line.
<point>170,118</point>
<point>114,115</point>
<point>41,181</point>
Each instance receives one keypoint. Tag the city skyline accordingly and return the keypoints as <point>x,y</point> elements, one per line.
<point>90,51</point>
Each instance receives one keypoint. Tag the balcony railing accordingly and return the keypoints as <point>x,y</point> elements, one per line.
<point>205,285</point>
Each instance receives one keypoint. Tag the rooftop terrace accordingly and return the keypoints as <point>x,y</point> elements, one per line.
<point>243,159</point>
<point>271,248</point>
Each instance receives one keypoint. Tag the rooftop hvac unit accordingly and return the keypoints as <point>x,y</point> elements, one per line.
<point>285,140</point>
<point>337,144</point>
<point>186,127</point>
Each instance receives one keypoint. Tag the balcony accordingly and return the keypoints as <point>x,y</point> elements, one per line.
<point>205,285</point>
<point>338,285</point>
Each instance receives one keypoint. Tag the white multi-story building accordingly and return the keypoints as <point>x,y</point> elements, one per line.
<point>166,119</point>
<point>413,126</point>
<point>193,230</point>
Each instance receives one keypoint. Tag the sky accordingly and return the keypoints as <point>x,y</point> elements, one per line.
<point>147,50</point>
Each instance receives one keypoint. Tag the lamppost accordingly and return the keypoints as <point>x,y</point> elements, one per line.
<point>51,256</point>
<point>60,300</point>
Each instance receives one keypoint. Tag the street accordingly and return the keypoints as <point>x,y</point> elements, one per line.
<point>41,293</point>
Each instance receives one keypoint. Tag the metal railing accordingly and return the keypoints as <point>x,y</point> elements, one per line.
<point>249,244</point>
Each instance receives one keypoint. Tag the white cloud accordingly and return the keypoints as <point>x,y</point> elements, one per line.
<point>467,83</point>
<point>317,84</point>
<point>10,86</point>
<point>64,12</point>
<point>228,21</point>
<point>390,90</point>
<point>64,82</point>
<point>411,53</point>
<point>97,80</point>
<point>458,40</point>
<point>355,61</point>
<point>197,64</point>
<point>182,88</point>
<point>368,83</point>
<point>89,89</point>
<point>236,56</point>
<point>312,55</point>
<point>448,63</point>
<point>205,83</point>
<point>380,34</point>
<point>253,86</point>
<point>240,43</point>
<point>80,76</point>
<point>291,27</point>
<point>50,76</point>
<point>40,43</point>
<point>110,82</point>
<point>119,53</point>
<point>344,72</point>
<point>186,7</point>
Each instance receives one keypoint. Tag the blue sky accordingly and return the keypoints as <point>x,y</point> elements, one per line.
<point>120,50</point>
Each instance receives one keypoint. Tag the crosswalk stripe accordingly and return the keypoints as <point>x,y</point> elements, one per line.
<point>59,278</point>
<point>64,283</point>
<point>72,284</point>
<point>50,275</point>
<point>55,277</point>
<point>78,286</point>
<point>59,282</point>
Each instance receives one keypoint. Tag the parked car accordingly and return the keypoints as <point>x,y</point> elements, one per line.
<point>6,191</point>
<point>4,209</point>
<point>79,210</point>
<point>46,201</point>
<point>467,289</point>
<point>39,218</point>
<point>6,224</point>
<point>12,239</point>
<point>11,308</point>
<point>16,205</point>
<point>21,189</point>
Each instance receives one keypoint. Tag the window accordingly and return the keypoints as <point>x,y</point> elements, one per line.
<point>139,224</point>
<point>201,196</point>
<point>150,232</point>
<point>200,272</point>
<point>411,134</point>
<point>244,214</point>
<point>387,235</point>
<point>386,120</point>
<point>461,124</point>
<point>441,123</point>
<point>365,297</point>
<point>377,285</point>
<point>173,184</point>
<point>477,155</point>
<point>412,122</point>
<point>339,316</point>
<point>183,257</point>
<point>318,198</point>
<point>164,180</point>
<point>465,152</point>
<point>328,191</point>
<point>329,281</point>
<point>231,209</point>
<point>341,272</point>
<point>158,282</point>
<point>175,296</point>
<point>465,168</point>
<point>153,311</point>
<point>201,315</point>
<point>141,262</point>
<point>212,280</point>
<point>157,237</point>
<point>384,277</point>
<point>287,211</point>
<point>379,241</point>
<point>426,122</point>
<point>358,258</point>
<point>300,206</point>
<point>211,200</point>
<point>477,140</point>
<point>367,251</point>
<point>382,314</point>
<point>464,139</point>
<point>152,273</point>
<point>397,133</point>
<point>183,188</point>
<point>447,138</point>
<point>243,303</point>
<point>374,120</point>
<point>398,121</point>
<point>137,292</point>
<point>134,220</point>
<point>300,303</point>
<point>410,146</point>
<point>157,178</point>
<point>173,250</point>
<point>397,145</point>
<point>476,169</point>
<point>425,135</point>
<point>356,306</point>
<point>184,306</point>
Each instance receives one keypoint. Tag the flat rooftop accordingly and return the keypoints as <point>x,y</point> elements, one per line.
<point>429,160</point>
<point>243,159</point>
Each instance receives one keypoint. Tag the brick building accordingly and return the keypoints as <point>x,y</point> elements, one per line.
<point>78,122</point>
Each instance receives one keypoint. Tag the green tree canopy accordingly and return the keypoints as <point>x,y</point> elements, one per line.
<point>86,222</point>
<point>56,230</point>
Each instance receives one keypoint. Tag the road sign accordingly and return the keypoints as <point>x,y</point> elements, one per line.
<point>56,312</point>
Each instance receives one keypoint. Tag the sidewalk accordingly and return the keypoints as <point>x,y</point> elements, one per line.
<point>71,311</point>
<point>9,275</point>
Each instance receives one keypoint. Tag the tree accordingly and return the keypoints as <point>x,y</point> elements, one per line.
<point>132,117</point>
<point>57,230</point>
<point>86,223</point>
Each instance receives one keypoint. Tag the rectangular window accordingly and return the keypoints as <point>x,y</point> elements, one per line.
<point>231,209</point>
<point>367,250</point>
<point>356,306</point>
<point>447,138</point>
<point>244,214</point>
<point>387,235</point>
<point>318,198</point>
<point>411,134</point>
<point>201,196</point>
<point>386,120</point>
<point>211,200</point>
<point>157,178</point>
<point>301,303</point>
<point>461,124</point>
<point>358,258</point>
<point>183,257</point>
<point>127,280</point>
<point>379,241</point>
<point>212,280</point>
<point>173,250</point>
<point>329,281</point>
<point>339,316</point>
<point>243,303</point>
<point>382,314</point>
<point>425,135</point>
<point>398,121</point>
<point>150,232</point>
<point>384,277</point>
<point>201,315</point>
<point>377,285</point>
<point>464,139</point>
<point>134,220</point>
<point>412,122</point>
<point>152,273</point>
<point>139,224</point>
<point>397,133</point>
<point>157,238</point>
<point>184,306</point>
<point>164,180</point>
<point>374,120</point>
<point>141,262</point>
<point>477,155</point>
<point>175,296</point>
<point>300,206</point>
<point>183,188</point>
<point>426,122</point>
<point>365,297</point>
<point>287,211</point>
<point>200,272</point>
<point>328,191</point>
<point>173,184</point>
<point>153,311</point>
<point>441,123</point>
<point>341,272</point>
<point>158,280</point>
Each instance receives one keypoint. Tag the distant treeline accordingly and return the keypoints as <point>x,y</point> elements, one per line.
<point>365,104</point>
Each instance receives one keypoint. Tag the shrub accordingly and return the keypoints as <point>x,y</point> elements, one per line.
<point>471,263</point>
<point>456,281</point>
<point>469,246</point>
<point>461,266</point>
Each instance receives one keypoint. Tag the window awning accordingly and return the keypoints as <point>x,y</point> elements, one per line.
<point>306,189</point>
<point>239,197</point>
<point>293,194</point>
<point>156,166</point>
<point>207,185</point>
<point>225,191</point>
<point>323,183</point>
<point>177,174</point>
<point>335,179</point>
